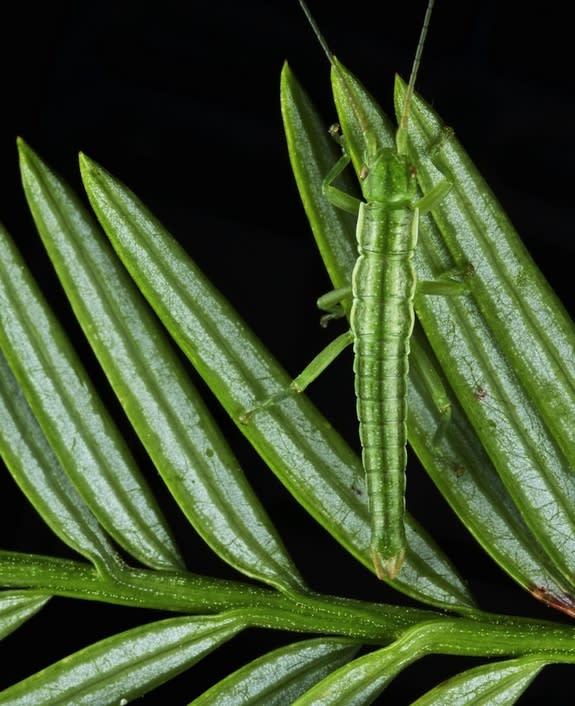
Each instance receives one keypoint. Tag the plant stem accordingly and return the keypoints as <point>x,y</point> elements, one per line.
<point>485,634</point>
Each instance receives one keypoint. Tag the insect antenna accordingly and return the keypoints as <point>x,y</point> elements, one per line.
<point>401,137</point>
<point>360,116</point>
<point>321,39</point>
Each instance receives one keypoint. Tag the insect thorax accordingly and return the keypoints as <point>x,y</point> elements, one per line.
<point>389,178</point>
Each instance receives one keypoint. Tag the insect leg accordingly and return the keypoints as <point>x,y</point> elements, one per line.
<point>443,286</point>
<point>422,362</point>
<point>335,196</point>
<point>332,304</point>
<point>431,198</point>
<point>321,362</point>
<point>452,282</point>
<point>307,376</point>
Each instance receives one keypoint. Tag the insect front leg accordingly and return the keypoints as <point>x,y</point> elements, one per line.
<point>455,280</point>
<point>337,197</point>
<point>433,196</point>
<point>451,282</point>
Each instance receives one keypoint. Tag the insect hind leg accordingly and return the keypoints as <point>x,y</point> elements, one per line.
<point>307,376</point>
<point>432,381</point>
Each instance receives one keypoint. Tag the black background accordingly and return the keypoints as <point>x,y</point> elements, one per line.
<point>181,102</point>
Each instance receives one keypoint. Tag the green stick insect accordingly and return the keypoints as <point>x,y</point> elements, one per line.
<point>382,313</point>
<point>383,288</point>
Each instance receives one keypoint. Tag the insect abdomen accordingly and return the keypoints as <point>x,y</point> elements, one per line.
<point>382,321</point>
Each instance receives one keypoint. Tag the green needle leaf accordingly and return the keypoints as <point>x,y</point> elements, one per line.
<point>498,684</point>
<point>507,348</point>
<point>35,468</point>
<point>312,461</point>
<point>121,668</point>
<point>311,160</point>
<point>461,470</point>
<point>16,607</point>
<point>73,418</point>
<point>509,289</point>
<point>164,408</point>
<point>279,677</point>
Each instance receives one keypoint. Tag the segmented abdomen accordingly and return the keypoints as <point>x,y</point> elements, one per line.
<point>382,317</point>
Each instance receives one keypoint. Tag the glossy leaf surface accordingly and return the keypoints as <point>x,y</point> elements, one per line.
<point>462,470</point>
<point>78,427</point>
<point>163,406</point>
<point>310,459</point>
<point>121,668</point>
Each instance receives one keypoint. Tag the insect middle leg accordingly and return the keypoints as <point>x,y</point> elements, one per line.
<point>330,302</point>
